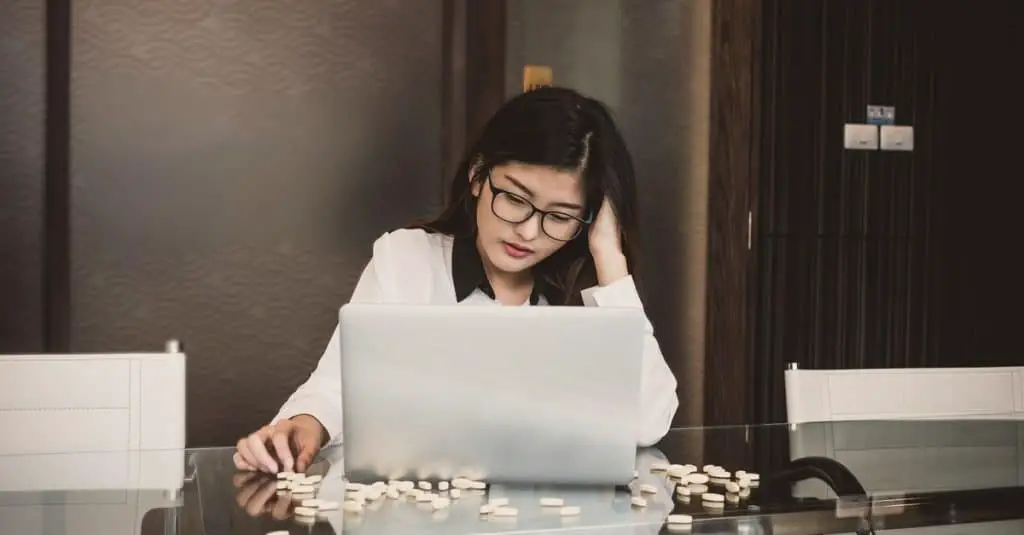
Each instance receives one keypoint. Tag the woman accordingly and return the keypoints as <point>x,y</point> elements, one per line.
<point>542,212</point>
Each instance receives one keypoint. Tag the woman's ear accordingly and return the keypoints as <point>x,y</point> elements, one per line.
<point>475,185</point>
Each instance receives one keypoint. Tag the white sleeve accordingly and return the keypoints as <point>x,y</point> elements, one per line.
<point>320,395</point>
<point>658,399</point>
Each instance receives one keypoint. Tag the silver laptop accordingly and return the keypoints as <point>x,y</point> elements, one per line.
<point>501,394</point>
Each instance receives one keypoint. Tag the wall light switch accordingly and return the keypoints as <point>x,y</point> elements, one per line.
<point>860,137</point>
<point>897,137</point>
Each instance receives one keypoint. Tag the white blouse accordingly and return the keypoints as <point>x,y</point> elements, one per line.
<point>416,267</point>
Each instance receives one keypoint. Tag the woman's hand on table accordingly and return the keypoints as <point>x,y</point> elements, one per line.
<point>288,445</point>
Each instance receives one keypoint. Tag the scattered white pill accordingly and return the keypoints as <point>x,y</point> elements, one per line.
<point>299,497</point>
<point>743,483</point>
<point>679,519</point>
<point>714,505</point>
<point>425,497</point>
<point>732,487</point>
<point>732,498</point>
<point>462,483</point>
<point>698,489</point>
<point>498,502</point>
<point>551,502</point>
<point>285,475</point>
<point>443,485</point>
<point>569,510</point>
<point>680,471</point>
<point>283,485</point>
<point>700,479</point>
<point>477,485</point>
<point>708,467</point>
<point>279,532</point>
<point>312,502</point>
<point>637,501</point>
<point>424,485</point>
<point>352,507</point>
<point>683,491</point>
<point>487,509</point>
<point>744,493</point>
<point>354,486</point>
<point>440,503</point>
<point>753,476</point>
<point>648,489</point>
<point>305,511</point>
<point>506,511</point>
<point>405,486</point>
<point>659,467</point>
<point>393,493</point>
<point>305,519</point>
<point>712,497</point>
<point>374,493</point>
<point>740,473</point>
<point>455,493</point>
<point>304,489</point>
<point>720,474</point>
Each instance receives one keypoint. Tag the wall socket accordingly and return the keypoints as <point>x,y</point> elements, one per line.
<point>535,76</point>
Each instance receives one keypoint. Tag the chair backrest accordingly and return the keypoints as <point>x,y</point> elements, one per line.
<point>904,393</point>
<point>93,402</point>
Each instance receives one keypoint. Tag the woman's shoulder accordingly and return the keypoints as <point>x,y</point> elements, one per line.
<point>410,245</point>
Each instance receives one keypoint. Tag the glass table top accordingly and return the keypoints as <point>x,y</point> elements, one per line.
<point>841,477</point>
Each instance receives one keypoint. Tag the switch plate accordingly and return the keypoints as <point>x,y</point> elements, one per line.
<point>860,136</point>
<point>897,137</point>
<point>535,76</point>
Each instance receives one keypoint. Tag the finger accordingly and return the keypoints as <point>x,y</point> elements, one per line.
<point>307,448</point>
<point>281,509</point>
<point>247,456</point>
<point>283,450</point>
<point>259,500</point>
<point>241,464</point>
<point>247,492</point>
<point>245,478</point>
<point>258,448</point>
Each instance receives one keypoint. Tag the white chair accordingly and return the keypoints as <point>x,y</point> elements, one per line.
<point>90,433</point>
<point>828,412</point>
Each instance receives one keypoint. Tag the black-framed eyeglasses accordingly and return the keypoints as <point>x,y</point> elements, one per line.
<point>516,209</point>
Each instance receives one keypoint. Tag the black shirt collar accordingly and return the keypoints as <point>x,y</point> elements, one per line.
<point>468,272</point>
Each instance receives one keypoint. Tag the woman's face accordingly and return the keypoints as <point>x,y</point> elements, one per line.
<point>526,213</point>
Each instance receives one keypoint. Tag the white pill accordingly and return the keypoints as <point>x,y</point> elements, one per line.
<point>740,473</point>
<point>443,485</point>
<point>285,475</point>
<point>679,519</point>
<point>679,472</point>
<point>424,485</point>
<point>374,493</point>
<point>299,497</point>
<point>708,467</point>
<point>425,497</point>
<point>283,485</point>
<point>659,467</point>
<point>487,509</point>
<point>551,502</point>
<point>753,476</point>
<point>571,510</point>
<point>498,502</point>
<point>700,479</point>
<point>327,505</point>
<point>305,511</point>
<point>648,489</point>
<point>506,511</point>
<point>462,483</point>
<point>313,502</point>
<point>352,507</point>
<point>712,497</point>
<point>440,503</point>
<point>477,485</point>
<point>455,493</point>
<point>683,491</point>
<point>743,483</point>
<point>732,487</point>
<point>714,505</point>
<point>393,493</point>
<point>405,486</point>
<point>637,501</point>
<point>732,498</point>
<point>720,474</point>
<point>312,480</point>
<point>698,489</point>
<point>279,532</point>
<point>745,493</point>
<point>354,486</point>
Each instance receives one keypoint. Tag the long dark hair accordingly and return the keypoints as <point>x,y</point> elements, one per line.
<point>559,128</point>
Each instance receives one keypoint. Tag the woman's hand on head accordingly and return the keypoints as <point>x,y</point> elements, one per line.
<point>288,445</point>
<point>605,239</point>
